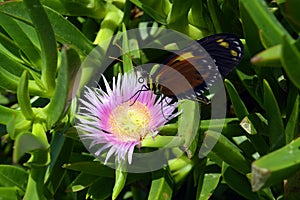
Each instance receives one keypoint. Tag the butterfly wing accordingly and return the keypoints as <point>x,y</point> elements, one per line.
<point>200,66</point>
<point>226,49</point>
<point>186,76</point>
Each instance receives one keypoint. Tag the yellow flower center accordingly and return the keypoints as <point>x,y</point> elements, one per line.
<point>130,122</point>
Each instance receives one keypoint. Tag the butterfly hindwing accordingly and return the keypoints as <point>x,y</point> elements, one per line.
<point>179,80</point>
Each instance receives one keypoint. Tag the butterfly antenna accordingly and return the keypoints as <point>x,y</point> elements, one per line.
<point>127,54</point>
<point>118,59</point>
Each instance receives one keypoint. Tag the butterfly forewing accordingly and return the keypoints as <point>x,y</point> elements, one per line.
<point>226,49</point>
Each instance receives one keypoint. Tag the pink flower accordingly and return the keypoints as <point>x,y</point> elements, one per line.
<point>120,118</point>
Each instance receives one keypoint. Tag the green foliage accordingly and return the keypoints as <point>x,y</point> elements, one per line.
<point>42,46</point>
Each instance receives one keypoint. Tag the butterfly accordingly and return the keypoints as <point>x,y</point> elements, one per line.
<point>190,72</point>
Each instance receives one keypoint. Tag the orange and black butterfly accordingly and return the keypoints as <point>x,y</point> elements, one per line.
<point>189,72</point>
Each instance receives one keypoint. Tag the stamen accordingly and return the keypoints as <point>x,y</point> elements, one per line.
<point>128,122</point>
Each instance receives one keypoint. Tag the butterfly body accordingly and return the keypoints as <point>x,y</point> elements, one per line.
<point>189,72</point>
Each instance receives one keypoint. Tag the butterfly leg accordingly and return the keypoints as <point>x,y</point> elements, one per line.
<point>164,98</point>
<point>144,88</point>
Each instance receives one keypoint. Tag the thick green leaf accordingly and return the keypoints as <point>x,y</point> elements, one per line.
<point>210,182</point>
<point>47,40</point>
<point>177,164</point>
<point>35,184</point>
<point>198,172</point>
<point>188,124</point>
<point>246,146</point>
<point>97,9</point>
<point>126,56</point>
<point>9,47</point>
<point>169,129</point>
<point>10,193</point>
<point>230,20</point>
<point>215,14</point>
<point>163,141</point>
<point>225,16</point>
<point>161,186</point>
<point>158,10</point>
<point>238,182</point>
<point>180,167</point>
<point>4,100</point>
<point>227,151</point>
<point>95,168</point>
<point>120,180</point>
<point>199,17</point>
<point>14,120</point>
<point>275,123</point>
<point>251,32</point>
<point>291,127</point>
<point>39,130</point>
<point>23,40</point>
<point>7,114</point>
<point>10,82</point>
<point>269,57</point>
<point>270,29</point>
<point>251,83</point>
<point>27,142</point>
<point>218,124</point>
<point>292,96</point>
<point>38,161</point>
<point>11,64</point>
<point>102,188</point>
<point>178,19</point>
<point>289,8</point>
<point>60,152</point>
<point>82,181</point>
<point>276,166</point>
<point>65,85</point>
<point>290,58</point>
<point>23,97</point>
<point>63,29</point>
<point>238,105</point>
<point>78,8</point>
<point>12,176</point>
<point>109,25</point>
<point>179,11</point>
<point>256,126</point>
